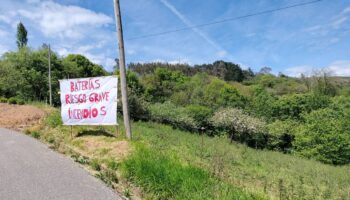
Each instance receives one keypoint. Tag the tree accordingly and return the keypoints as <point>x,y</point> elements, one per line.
<point>265,70</point>
<point>325,136</point>
<point>21,36</point>
<point>242,127</point>
<point>79,66</point>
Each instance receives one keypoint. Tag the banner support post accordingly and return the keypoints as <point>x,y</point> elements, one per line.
<point>71,132</point>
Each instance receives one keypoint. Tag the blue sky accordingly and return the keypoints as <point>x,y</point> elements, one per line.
<point>292,41</point>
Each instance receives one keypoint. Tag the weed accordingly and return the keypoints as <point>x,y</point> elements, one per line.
<point>54,119</point>
<point>35,134</point>
<point>127,193</point>
<point>108,176</point>
<point>95,164</point>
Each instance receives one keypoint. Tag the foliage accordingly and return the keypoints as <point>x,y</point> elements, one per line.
<point>224,70</point>
<point>3,100</point>
<point>278,85</point>
<point>220,94</point>
<point>162,84</point>
<point>292,106</point>
<point>241,126</point>
<point>77,66</point>
<point>325,136</point>
<point>54,119</point>
<point>200,114</point>
<point>25,73</point>
<point>21,35</point>
<point>137,103</point>
<point>262,103</point>
<point>281,135</point>
<point>15,100</point>
<point>171,114</point>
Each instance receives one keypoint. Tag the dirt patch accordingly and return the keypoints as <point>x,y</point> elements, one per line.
<point>99,147</point>
<point>18,117</point>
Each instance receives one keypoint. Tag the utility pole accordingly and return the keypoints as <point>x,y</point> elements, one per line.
<point>123,86</point>
<point>50,90</point>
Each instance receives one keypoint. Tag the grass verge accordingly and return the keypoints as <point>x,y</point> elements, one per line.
<point>164,163</point>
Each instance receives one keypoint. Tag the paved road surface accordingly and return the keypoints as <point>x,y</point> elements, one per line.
<point>31,171</point>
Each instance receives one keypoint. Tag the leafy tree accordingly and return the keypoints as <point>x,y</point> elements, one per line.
<point>220,94</point>
<point>174,115</point>
<point>21,36</point>
<point>10,80</point>
<point>241,126</point>
<point>79,66</point>
<point>262,103</point>
<point>322,83</point>
<point>325,136</point>
<point>281,135</point>
<point>162,84</point>
<point>265,70</point>
<point>292,106</point>
<point>200,114</point>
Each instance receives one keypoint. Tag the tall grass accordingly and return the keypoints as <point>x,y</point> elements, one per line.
<point>274,174</point>
<point>166,178</point>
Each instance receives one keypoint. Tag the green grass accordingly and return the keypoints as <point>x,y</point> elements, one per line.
<point>172,164</point>
<point>272,173</point>
<point>164,177</point>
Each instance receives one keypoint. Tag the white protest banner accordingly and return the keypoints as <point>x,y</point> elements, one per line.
<point>89,101</point>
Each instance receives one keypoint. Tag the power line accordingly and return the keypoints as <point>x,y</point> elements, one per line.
<point>225,20</point>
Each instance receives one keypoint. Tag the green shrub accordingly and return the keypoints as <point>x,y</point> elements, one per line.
<point>325,136</point>
<point>167,178</point>
<point>20,102</point>
<point>35,134</point>
<point>54,119</point>
<point>95,164</point>
<point>292,106</point>
<point>281,135</point>
<point>241,126</point>
<point>13,100</point>
<point>200,114</point>
<point>218,94</point>
<point>171,114</point>
<point>3,100</point>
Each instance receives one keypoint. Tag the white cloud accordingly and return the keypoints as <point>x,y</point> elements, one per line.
<point>130,51</point>
<point>55,19</point>
<point>298,70</point>
<point>337,23</point>
<point>336,68</point>
<point>221,53</point>
<point>340,68</point>
<point>3,49</point>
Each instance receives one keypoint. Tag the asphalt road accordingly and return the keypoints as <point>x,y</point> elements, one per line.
<point>29,170</point>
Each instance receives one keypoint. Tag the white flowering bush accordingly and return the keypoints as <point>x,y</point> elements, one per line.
<point>240,126</point>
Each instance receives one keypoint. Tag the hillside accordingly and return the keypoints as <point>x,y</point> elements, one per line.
<point>161,159</point>
<point>264,136</point>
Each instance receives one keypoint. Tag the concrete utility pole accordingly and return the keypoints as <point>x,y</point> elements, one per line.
<point>50,90</point>
<point>118,20</point>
